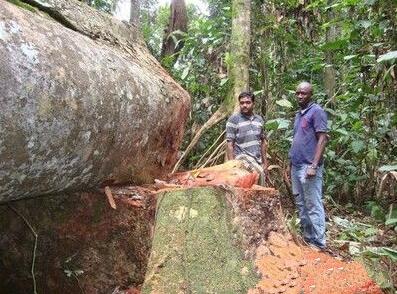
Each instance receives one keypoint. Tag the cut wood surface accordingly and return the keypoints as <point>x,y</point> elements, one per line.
<point>195,248</point>
<point>84,246</point>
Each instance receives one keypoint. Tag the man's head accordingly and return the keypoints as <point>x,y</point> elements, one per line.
<point>304,93</point>
<point>246,100</point>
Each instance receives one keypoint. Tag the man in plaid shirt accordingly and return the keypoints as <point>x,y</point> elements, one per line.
<point>246,140</point>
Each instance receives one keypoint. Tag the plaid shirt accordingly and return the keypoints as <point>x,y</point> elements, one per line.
<point>247,135</point>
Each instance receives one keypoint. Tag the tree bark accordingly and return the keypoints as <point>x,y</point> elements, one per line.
<point>135,12</point>
<point>238,70</point>
<point>177,23</point>
<point>329,70</point>
<point>81,104</point>
<point>240,42</point>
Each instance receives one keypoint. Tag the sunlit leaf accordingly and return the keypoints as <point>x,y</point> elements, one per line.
<point>357,146</point>
<point>387,168</point>
<point>185,73</point>
<point>387,57</point>
<point>282,124</point>
<point>349,57</point>
<point>364,24</point>
<point>271,124</point>
<point>284,103</point>
<point>335,45</point>
<point>391,222</point>
<point>223,81</point>
<point>342,131</point>
<point>381,251</point>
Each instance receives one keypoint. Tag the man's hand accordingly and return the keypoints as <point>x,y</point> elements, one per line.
<point>310,172</point>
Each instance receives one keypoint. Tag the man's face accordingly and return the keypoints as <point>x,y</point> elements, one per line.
<point>303,94</point>
<point>246,105</point>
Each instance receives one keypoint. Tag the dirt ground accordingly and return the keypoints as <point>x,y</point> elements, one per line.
<point>288,268</point>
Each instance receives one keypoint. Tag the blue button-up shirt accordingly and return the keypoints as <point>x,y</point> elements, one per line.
<point>308,122</point>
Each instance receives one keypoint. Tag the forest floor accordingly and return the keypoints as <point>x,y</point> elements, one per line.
<point>286,267</point>
<point>360,250</point>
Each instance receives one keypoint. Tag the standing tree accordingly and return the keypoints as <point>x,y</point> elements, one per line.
<point>173,33</point>
<point>134,12</point>
<point>331,35</point>
<point>238,73</point>
<point>239,51</point>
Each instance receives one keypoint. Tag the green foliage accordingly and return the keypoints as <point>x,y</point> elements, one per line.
<point>152,27</point>
<point>290,43</point>
<point>382,251</point>
<point>22,5</point>
<point>389,56</point>
<point>353,231</point>
<point>375,211</point>
<point>387,168</point>
<point>201,67</point>
<point>391,218</point>
<point>104,5</point>
<point>362,116</point>
<point>362,241</point>
<point>380,215</point>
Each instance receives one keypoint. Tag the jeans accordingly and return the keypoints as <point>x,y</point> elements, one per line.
<point>308,198</point>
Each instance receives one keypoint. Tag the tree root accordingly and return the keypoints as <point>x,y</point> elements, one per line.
<point>200,161</point>
<point>34,247</point>
<point>217,117</point>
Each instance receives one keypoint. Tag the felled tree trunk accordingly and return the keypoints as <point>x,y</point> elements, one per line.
<point>82,100</point>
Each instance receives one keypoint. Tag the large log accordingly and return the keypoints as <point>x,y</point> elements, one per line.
<point>82,100</point>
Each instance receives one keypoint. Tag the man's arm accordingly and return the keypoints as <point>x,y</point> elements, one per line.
<point>322,139</point>
<point>229,150</point>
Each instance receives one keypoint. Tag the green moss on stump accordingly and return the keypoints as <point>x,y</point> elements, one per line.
<point>194,247</point>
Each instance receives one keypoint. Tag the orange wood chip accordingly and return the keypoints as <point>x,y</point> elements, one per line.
<point>109,195</point>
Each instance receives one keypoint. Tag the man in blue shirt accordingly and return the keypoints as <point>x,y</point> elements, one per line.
<point>246,140</point>
<point>306,162</point>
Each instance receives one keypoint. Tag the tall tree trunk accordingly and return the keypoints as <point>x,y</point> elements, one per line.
<point>238,69</point>
<point>134,12</point>
<point>239,50</point>
<point>177,23</point>
<point>329,70</point>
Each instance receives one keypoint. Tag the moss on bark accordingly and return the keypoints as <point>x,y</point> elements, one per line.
<point>195,247</point>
